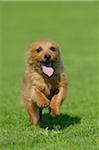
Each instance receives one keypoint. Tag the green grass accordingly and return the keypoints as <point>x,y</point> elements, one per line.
<point>74,25</point>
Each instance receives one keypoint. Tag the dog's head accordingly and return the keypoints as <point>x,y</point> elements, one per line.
<point>43,53</point>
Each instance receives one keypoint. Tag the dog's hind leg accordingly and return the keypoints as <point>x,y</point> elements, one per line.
<point>35,113</point>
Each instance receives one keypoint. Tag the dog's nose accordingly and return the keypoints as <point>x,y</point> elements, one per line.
<point>47,57</point>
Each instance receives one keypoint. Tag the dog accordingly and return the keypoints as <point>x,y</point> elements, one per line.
<point>44,83</point>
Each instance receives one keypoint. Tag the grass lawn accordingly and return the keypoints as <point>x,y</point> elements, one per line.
<point>74,25</point>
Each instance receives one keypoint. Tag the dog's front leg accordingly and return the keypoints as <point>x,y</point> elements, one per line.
<point>56,101</point>
<point>34,105</point>
<point>39,98</point>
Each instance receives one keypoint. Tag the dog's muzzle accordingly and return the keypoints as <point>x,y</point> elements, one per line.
<point>47,58</point>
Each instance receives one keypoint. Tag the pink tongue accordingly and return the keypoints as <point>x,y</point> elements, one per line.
<point>48,70</point>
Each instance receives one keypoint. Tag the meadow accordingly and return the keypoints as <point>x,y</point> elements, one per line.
<point>75,26</point>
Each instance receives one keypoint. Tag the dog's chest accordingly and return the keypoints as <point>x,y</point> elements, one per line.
<point>51,85</point>
<point>44,84</point>
<point>45,87</point>
<point>41,83</point>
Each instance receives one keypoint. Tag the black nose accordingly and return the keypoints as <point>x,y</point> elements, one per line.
<point>47,57</point>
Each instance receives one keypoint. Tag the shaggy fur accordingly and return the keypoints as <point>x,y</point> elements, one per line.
<point>39,90</point>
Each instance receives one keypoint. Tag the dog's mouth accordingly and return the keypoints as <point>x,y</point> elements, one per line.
<point>47,68</point>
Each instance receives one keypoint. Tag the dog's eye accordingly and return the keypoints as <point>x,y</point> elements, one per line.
<point>39,49</point>
<point>52,48</point>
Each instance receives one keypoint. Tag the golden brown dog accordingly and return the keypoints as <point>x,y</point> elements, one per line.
<point>44,83</point>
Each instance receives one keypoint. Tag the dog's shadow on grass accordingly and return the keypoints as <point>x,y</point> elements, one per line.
<point>60,122</point>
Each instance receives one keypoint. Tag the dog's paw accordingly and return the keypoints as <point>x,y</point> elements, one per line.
<point>43,103</point>
<point>54,111</point>
<point>54,108</point>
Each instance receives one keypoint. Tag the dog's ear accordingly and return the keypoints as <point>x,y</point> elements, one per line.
<point>29,59</point>
<point>29,55</point>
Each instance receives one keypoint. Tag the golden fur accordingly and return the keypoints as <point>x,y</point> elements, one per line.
<point>37,89</point>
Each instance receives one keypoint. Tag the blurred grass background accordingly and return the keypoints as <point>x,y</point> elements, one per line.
<point>75,26</point>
